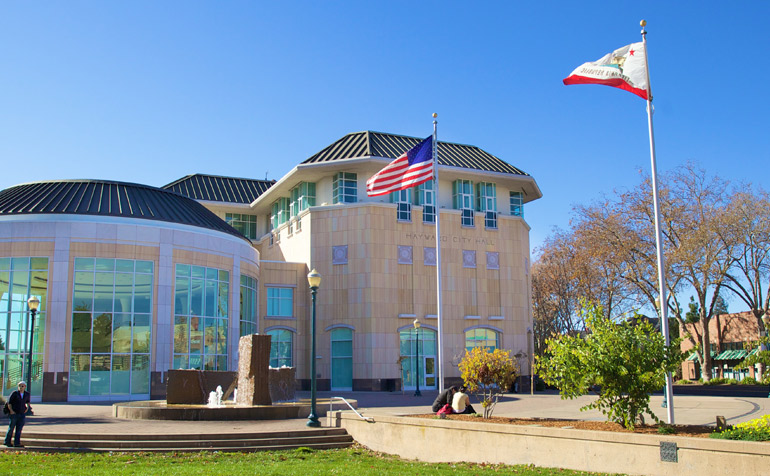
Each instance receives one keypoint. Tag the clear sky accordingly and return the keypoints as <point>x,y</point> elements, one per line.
<point>150,91</point>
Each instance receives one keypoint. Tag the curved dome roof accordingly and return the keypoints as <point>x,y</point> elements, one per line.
<point>108,198</point>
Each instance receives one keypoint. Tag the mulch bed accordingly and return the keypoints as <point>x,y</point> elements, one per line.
<point>681,430</point>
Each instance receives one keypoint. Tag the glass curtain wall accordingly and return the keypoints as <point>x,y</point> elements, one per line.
<point>200,317</point>
<point>111,322</point>
<point>20,279</point>
<point>280,347</point>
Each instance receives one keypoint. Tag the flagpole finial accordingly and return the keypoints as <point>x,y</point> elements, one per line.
<point>435,115</point>
<point>643,24</point>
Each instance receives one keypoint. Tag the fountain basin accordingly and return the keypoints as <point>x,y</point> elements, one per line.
<point>160,410</point>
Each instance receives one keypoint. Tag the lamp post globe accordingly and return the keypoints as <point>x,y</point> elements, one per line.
<point>33,303</point>
<point>314,281</point>
<point>417,331</point>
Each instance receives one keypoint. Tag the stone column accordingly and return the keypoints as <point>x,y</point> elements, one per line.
<point>253,368</point>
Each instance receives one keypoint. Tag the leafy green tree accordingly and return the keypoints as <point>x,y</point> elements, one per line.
<point>488,375</point>
<point>623,363</point>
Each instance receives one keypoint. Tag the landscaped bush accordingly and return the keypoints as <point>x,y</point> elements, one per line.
<point>716,381</point>
<point>684,381</point>
<point>754,430</point>
<point>749,381</point>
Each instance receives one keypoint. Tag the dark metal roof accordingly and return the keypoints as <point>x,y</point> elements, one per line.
<point>378,144</point>
<point>108,198</point>
<point>219,189</point>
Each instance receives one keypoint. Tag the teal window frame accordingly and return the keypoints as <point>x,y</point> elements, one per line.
<point>517,204</point>
<point>482,337</point>
<point>425,195</point>
<point>345,187</point>
<point>244,223</point>
<point>280,301</point>
<point>249,305</point>
<point>302,197</point>
<point>281,348</point>
<point>403,201</point>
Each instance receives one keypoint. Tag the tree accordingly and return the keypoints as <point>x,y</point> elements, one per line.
<point>488,375</point>
<point>622,362</point>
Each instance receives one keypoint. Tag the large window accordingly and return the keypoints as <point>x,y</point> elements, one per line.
<point>280,347</point>
<point>517,204</point>
<point>345,188</point>
<point>246,224</point>
<point>302,197</point>
<point>486,194</point>
<point>411,367</point>
<point>462,197</point>
<point>248,305</point>
<point>280,212</point>
<point>280,302</point>
<point>482,338</point>
<point>425,196</point>
<point>342,359</point>
<point>20,279</point>
<point>200,317</point>
<point>403,201</point>
<point>111,323</point>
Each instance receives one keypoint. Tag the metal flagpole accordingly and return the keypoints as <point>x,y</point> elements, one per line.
<point>663,300</point>
<point>440,338</point>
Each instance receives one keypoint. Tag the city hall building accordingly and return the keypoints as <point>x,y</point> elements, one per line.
<point>134,280</point>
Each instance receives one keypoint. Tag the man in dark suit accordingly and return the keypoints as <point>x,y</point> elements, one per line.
<point>18,404</point>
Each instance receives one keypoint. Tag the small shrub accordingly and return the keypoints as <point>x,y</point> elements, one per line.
<point>748,381</point>
<point>684,381</point>
<point>665,429</point>
<point>754,430</point>
<point>716,381</point>
<point>487,373</point>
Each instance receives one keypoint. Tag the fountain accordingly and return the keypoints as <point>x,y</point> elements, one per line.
<point>262,393</point>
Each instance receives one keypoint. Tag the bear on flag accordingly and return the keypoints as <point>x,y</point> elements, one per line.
<point>624,68</point>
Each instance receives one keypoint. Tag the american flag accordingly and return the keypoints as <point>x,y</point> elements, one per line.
<point>413,168</point>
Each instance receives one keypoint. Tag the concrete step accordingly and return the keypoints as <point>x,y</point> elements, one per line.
<point>245,449</point>
<point>199,444</point>
<point>324,438</point>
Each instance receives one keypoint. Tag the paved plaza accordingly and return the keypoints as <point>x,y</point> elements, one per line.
<point>97,417</point>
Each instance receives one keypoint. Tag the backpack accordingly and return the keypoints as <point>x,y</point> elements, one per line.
<point>445,410</point>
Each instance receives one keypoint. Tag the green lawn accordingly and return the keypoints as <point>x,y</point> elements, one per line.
<point>350,461</point>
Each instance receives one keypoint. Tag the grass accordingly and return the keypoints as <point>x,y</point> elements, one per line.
<point>303,461</point>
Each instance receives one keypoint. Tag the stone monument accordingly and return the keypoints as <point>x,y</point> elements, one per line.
<point>253,370</point>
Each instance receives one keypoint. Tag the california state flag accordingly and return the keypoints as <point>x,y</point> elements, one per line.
<point>624,68</point>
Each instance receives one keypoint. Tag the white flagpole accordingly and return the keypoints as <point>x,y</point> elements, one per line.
<point>668,396</point>
<point>440,338</point>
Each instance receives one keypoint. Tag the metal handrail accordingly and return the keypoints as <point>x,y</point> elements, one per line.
<point>331,399</point>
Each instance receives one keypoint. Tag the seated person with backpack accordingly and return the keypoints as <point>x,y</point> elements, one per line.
<point>444,398</point>
<point>461,403</point>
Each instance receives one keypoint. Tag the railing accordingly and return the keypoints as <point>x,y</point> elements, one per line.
<point>331,400</point>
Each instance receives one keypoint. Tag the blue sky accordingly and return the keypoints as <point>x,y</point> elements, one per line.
<point>148,91</point>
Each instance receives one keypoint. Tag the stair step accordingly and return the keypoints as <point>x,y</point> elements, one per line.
<point>213,443</point>
<point>29,435</point>
<point>244,449</point>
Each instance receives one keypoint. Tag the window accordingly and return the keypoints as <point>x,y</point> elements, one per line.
<point>487,202</point>
<point>245,224</point>
<point>345,188</point>
<point>20,279</point>
<point>403,201</point>
<point>462,197</point>
<point>248,305</point>
<point>280,212</point>
<point>425,196</point>
<point>111,328</point>
<point>517,204</point>
<point>342,359</point>
<point>280,302</point>
<point>481,338</point>
<point>201,298</point>
<point>281,341</point>
<point>302,197</point>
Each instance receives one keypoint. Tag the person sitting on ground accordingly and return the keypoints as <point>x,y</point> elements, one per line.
<point>461,403</point>
<point>443,398</point>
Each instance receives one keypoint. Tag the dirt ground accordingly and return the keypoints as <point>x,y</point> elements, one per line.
<point>681,430</point>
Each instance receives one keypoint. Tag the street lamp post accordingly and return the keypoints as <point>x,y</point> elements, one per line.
<point>314,280</point>
<point>417,331</point>
<point>33,303</point>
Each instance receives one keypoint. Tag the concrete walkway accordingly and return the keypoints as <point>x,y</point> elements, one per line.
<point>96,417</point>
